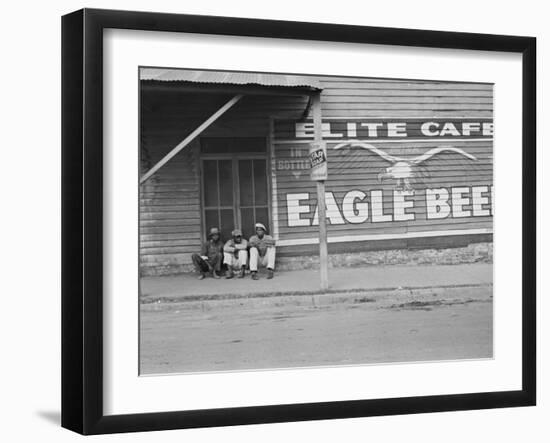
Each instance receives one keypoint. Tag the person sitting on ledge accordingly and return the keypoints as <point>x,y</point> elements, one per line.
<point>235,254</point>
<point>211,256</point>
<point>262,251</point>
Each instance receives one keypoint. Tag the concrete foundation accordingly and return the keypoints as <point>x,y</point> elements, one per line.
<point>472,253</point>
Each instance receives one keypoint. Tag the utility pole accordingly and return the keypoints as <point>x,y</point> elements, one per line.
<point>319,173</point>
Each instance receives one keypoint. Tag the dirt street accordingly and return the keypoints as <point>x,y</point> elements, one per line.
<point>305,331</point>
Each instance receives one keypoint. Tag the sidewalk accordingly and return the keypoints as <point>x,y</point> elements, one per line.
<point>188,287</point>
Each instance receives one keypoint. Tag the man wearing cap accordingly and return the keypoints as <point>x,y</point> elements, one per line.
<point>235,254</point>
<point>211,256</point>
<point>262,251</point>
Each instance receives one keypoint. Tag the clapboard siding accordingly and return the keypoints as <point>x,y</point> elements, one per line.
<point>353,97</point>
<point>357,169</point>
<point>170,202</point>
<point>362,100</point>
<point>405,106</point>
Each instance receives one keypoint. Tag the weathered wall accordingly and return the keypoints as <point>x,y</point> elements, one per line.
<point>361,206</point>
<point>170,212</point>
<point>170,223</point>
<point>472,253</point>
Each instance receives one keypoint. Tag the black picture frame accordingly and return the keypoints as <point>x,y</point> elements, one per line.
<point>82,215</point>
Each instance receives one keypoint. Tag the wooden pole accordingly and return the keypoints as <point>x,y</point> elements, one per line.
<point>321,200</point>
<point>189,138</point>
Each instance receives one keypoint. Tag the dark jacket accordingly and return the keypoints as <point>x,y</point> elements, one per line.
<point>213,250</point>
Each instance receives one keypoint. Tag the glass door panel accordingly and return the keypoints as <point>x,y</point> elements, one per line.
<point>253,201</point>
<point>217,178</point>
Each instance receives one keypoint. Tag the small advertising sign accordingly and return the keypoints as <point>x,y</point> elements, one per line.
<point>318,161</point>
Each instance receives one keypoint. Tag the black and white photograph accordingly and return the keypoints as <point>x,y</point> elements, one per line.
<point>299,221</point>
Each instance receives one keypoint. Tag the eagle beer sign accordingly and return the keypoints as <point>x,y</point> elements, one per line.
<point>318,161</point>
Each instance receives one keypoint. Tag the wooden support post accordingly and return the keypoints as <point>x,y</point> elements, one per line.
<point>189,138</point>
<point>321,200</point>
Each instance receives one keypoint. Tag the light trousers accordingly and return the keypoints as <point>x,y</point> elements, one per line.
<point>235,262</point>
<point>268,260</point>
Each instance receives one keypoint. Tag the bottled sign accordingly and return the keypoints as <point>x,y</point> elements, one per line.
<point>318,161</point>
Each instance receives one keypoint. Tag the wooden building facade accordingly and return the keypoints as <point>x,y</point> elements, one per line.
<point>410,164</point>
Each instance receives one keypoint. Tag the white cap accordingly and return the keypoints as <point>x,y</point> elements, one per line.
<point>260,225</point>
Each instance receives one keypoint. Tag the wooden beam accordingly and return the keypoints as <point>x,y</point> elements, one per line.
<point>321,200</point>
<point>155,86</point>
<point>189,138</point>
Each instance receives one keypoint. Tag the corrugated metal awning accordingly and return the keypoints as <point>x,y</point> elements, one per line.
<point>231,78</point>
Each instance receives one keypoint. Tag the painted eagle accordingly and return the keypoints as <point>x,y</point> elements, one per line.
<point>403,170</point>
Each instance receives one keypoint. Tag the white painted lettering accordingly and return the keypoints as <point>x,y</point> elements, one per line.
<point>372,128</point>
<point>352,129</point>
<point>397,129</point>
<point>355,209</point>
<point>334,216</point>
<point>449,129</point>
<point>458,202</point>
<point>469,127</point>
<point>478,200</point>
<point>306,130</point>
<point>401,204</point>
<point>437,205</point>
<point>427,130</point>
<point>488,129</point>
<point>294,209</point>
<point>327,131</point>
<point>377,205</point>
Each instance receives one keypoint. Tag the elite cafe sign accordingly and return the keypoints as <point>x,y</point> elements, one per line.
<point>362,206</point>
<point>400,128</point>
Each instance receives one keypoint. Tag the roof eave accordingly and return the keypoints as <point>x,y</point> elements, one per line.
<point>220,88</point>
